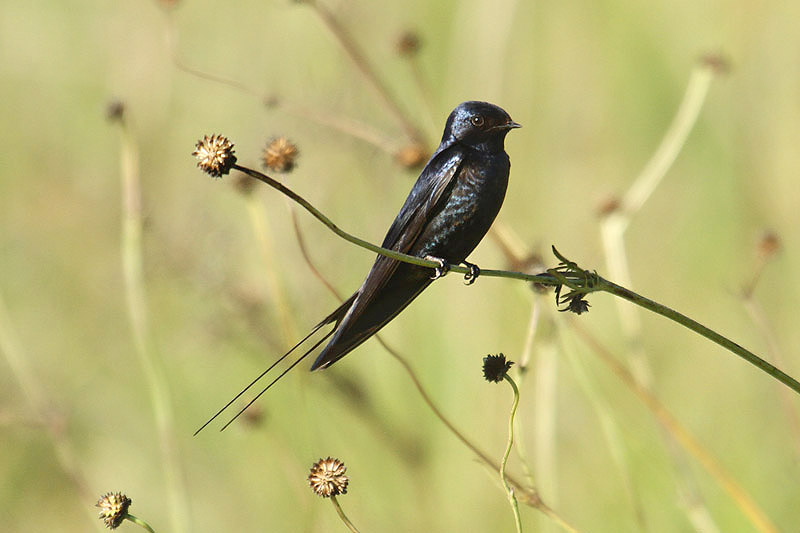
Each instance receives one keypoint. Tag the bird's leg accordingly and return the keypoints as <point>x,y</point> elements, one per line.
<point>472,275</point>
<point>442,269</point>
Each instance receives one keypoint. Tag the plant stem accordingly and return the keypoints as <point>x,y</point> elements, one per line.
<point>681,434</point>
<point>750,357</point>
<point>343,516</point>
<point>530,495</point>
<point>140,522</point>
<point>576,279</point>
<point>333,227</point>
<point>138,316</point>
<point>511,497</point>
<point>366,70</point>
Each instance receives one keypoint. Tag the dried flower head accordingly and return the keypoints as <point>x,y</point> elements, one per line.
<point>271,101</point>
<point>408,43</point>
<point>495,367</point>
<point>215,155</point>
<point>113,508</point>
<point>411,156</point>
<point>280,154</point>
<point>576,304</point>
<point>717,62</point>
<point>769,244</point>
<point>327,478</point>
<point>115,110</point>
<point>608,206</point>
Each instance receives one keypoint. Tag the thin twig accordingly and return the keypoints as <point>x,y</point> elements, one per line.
<point>277,289</point>
<point>573,277</point>
<point>152,366</point>
<point>35,393</point>
<point>343,124</point>
<point>682,435</point>
<point>369,74</point>
<point>341,514</point>
<point>529,496</point>
<point>655,307</point>
<point>139,522</point>
<point>612,230</point>
<point>511,497</point>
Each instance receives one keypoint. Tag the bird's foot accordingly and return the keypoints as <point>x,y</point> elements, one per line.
<point>442,269</point>
<point>472,275</point>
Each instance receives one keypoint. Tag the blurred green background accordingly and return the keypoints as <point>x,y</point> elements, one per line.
<point>595,84</point>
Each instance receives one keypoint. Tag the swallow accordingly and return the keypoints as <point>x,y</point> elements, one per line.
<point>448,211</point>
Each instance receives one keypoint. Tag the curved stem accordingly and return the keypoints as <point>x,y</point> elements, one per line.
<point>152,364</point>
<point>511,497</point>
<point>581,281</point>
<point>529,494</point>
<point>343,516</point>
<point>338,231</point>
<point>750,357</point>
<point>681,434</point>
<point>355,54</point>
<point>139,522</point>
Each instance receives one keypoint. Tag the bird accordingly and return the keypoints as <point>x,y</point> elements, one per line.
<point>449,210</point>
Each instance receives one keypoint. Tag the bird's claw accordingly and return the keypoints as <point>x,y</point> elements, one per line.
<point>472,275</point>
<point>442,269</point>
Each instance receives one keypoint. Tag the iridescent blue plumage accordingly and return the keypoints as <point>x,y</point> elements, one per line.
<point>448,211</point>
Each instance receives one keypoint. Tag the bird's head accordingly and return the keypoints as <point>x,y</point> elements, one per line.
<point>479,125</point>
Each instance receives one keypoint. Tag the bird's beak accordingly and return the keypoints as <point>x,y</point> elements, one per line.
<point>510,125</point>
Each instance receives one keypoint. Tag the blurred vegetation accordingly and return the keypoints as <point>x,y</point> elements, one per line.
<point>595,85</point>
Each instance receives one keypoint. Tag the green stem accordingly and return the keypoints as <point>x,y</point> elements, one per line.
<point>152,365</point>
<point>343,516</point>
<point>367,72</point>
<point>140,522</point>
<point>511,497</point>
<point>750,357</point>
<point>333,227</point>
<point>574,278</point>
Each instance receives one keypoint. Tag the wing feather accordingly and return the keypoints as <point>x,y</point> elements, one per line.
<point>429,190</point>
<point>408,225</point>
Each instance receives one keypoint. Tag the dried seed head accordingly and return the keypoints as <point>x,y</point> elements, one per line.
<point>115,110</point>
<point>408,43</point>
<point>113,508</point>
<point>717,62</point>
<point>495,367</point>
<point>280,155</point>
<point>769,244</point>
<point>608,206</point>
<point>577,304</point>
<point>411,156</point>
<point>271,101</point>
<point>214,155</point>
<point>327,478</point>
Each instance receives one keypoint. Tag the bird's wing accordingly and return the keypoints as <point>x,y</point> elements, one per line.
<point>431,187</point>
<point>426,193</point>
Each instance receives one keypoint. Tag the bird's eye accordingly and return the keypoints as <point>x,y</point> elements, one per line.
<point>476,120</point>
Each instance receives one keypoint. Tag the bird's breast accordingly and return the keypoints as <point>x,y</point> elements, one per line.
<point>466,213</point>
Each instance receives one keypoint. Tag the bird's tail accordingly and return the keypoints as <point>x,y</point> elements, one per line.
<point>336,316</point>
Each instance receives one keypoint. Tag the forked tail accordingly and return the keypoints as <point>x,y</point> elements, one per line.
<point>336,316</point>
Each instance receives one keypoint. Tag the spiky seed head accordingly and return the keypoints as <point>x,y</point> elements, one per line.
<point>495,367</point>
<point>327,477</point>
<point>214,155</point>
<point>113,508</point>
<point>280,155</point>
